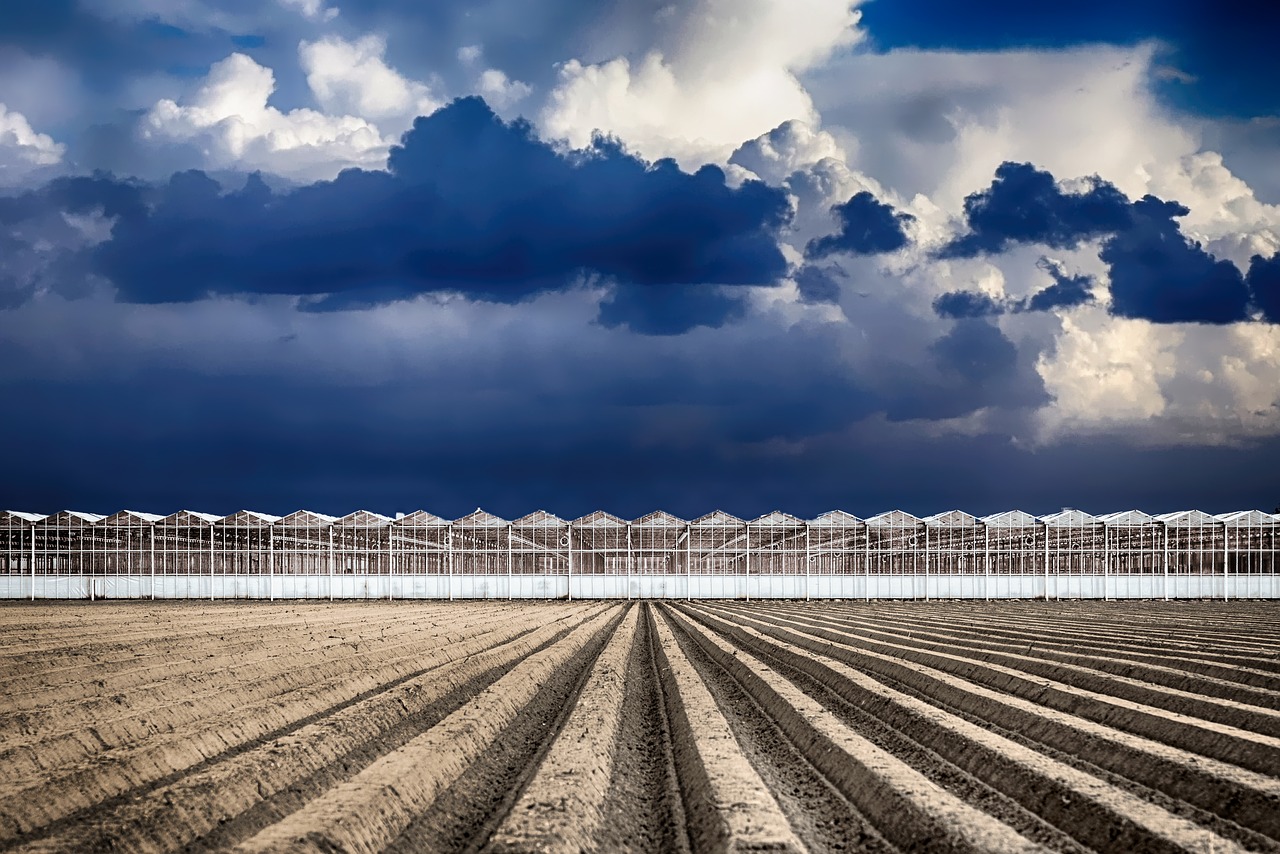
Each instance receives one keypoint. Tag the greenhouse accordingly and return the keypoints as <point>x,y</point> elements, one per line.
<point>893,555</point>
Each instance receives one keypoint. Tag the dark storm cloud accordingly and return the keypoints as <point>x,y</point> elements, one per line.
<point>356,448</point>
<point>975,351</point>
<point>509,427</point>
<point>1156,272</point>
<point>818,284</point>
<point>1264,282</point>
<point>957,304</point>
<point>867,226</point>
<point>1159,275</point>
<point>469,204</point>
<point>1066,291</point>
<point>770,435</point>
<point>975,365</point>
<point>1024,205</point>
<point>565,416</point>
<point>664,309</point>
<point>77,195</point>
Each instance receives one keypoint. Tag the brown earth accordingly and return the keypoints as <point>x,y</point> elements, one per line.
<point>644,727</point>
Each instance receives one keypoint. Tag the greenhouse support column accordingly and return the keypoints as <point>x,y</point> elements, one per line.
<point>448,539</point>
<point>628,560</point>
<point>1165,528</point>
<point>926,563</point>
<point>866,566</point>
<point>391,560</point>
<point>688,563</point>
<point>986,562</point>
<point>1226,562</point>
<point>331,558</point>
<point>569,546</point>
<point>1275,570</point>
<point>509,561</point>
<point>1046,563</point>
<point>748,563</point>
<point>210,561</point>
<point>33,561</point>
<point>1106,559</point>
<point>271,564</point>
<point>153,561</point>
<point>808,561</point>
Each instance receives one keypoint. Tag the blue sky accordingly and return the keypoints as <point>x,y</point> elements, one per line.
<point>630,255</point>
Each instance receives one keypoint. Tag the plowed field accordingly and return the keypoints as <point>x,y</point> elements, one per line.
<point>712,726</point>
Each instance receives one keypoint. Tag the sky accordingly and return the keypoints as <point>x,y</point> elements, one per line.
<point>633,255</point>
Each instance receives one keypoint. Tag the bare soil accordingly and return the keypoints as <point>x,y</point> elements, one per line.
<point>640,727</point>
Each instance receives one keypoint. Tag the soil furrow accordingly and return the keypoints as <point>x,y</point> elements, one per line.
<point>1217,681</point>
<point>149,766</point>
<point>1247,797</point>
<point>1090,625</point>
<point>1127,653</point>
<point>907,808</point>
<point>728,806</point>
<point>375,806</point>
<point>1256,807</point>
<point>1096,813</point>
<point>129,717</point>
<point>917,754</point>
<point>1219,741</point>
<point>204,657</point>
<point>562,807</point>
<point>485,797</point>
<point>232,797</point>
<point>1066,620</point>
<point>1235,713</point>
<point>138,630</point>
<point>643,812</point>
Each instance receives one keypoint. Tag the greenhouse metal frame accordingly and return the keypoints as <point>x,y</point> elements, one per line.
<point>894,555</point>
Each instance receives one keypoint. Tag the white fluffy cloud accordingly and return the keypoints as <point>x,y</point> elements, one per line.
<point>23,150</point>
<point>353,78</point>
<point>791,146</point>
<point>1105,372</point>
<point>932,126</point>
<point>940,122</point>
<point>725,72</point>
<point>499,90</point>
<point>1161,384</point>
<point>229,120</point>
<point>312,10</point>
<point>1225,214</point>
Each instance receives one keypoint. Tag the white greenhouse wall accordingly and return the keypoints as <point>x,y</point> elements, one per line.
<point>672,586</point>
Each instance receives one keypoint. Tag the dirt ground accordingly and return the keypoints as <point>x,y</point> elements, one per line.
<point>646,727</point>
